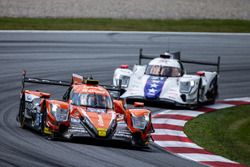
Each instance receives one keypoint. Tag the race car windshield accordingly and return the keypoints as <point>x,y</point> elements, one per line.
<point>92,100</point>
<point>163,71</point>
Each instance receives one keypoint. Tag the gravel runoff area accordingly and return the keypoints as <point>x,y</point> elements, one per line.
<point>141,9</point>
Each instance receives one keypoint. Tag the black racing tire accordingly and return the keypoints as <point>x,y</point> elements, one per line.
<point>214,92</point>
<point>52,136</point>
<point>138,142</point>
<point>21,114</point>
<point>43,126</point>
<point>193,107</point>
<point>43,122</point>
<point>198,92</point>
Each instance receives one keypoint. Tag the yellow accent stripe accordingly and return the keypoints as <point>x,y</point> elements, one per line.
<point>47,131</point>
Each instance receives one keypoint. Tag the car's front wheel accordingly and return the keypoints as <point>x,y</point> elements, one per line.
<point>21,114</point>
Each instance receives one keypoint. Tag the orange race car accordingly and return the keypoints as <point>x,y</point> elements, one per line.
<point>86,110</point>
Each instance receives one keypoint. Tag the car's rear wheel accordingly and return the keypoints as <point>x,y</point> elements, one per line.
<point>199,92</point>
<point>213,93</point>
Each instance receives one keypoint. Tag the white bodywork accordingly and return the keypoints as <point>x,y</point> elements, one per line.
<point>123,75</point>
<point>181,90</point>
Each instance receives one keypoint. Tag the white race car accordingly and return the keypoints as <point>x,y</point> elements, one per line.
<point>164,79</point>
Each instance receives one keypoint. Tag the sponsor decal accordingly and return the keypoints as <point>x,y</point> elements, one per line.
<point>30,97</point>
<point>47,131</point>
<point>123,134</point>
<point>102,132</point>
<point>77,130</point>
<point>97,110</point>
<point>100,120</point>
<point>153,87</point>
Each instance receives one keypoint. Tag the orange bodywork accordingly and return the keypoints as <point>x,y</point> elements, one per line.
<point>99,120</point>
<point>118,106</point>
<point>52,123</point>
<point>37,93</point>
<point>137,113</point>
<point>90,89</point>
<point>60,114</point>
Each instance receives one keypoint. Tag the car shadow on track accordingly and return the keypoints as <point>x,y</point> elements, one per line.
<point>92,141</point>
<point>105,143</point>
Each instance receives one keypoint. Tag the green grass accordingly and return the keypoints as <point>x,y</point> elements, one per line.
<point>225,132</point>
<point>124,24</point>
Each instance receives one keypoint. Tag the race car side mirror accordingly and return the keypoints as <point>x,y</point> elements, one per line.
<point>118,106</point>
<point>200,73</point>
<point>138,104</point>
<point>124,66</point>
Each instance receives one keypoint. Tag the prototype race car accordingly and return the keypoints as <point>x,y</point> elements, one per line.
<point>163,80</point>
<point>86,110</point>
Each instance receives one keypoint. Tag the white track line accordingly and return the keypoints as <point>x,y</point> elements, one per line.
<point>169,132</point>
<point>245,99</point>
<point>177,144</point>
<point>190,113</point>
<point>168,121</point>
<point>219,106</point>
<point>205,157</point>
<point>198,157</point>
<point>123,32</point>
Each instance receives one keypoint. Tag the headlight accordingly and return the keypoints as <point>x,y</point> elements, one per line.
<point>186,87</point>
<point>147,117</point>
<point>59,113</point>
<point>140,122</point>
<point>36,102</point>
<point>29,105</point>
<point>124,79</point>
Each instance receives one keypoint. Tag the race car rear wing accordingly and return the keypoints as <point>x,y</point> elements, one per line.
<point>115,91</point>
<point>177,55</point>
<point>43,81</point>
<point>141,56</point>
<point>217,64</point>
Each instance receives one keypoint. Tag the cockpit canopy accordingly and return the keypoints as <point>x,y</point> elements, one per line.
<point>92,100</point>
<point>163,71</point>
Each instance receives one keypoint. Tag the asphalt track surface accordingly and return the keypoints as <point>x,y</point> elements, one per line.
<point>58,55</point>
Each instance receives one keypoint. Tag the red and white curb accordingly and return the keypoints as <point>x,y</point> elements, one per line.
<point>169,126</point>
